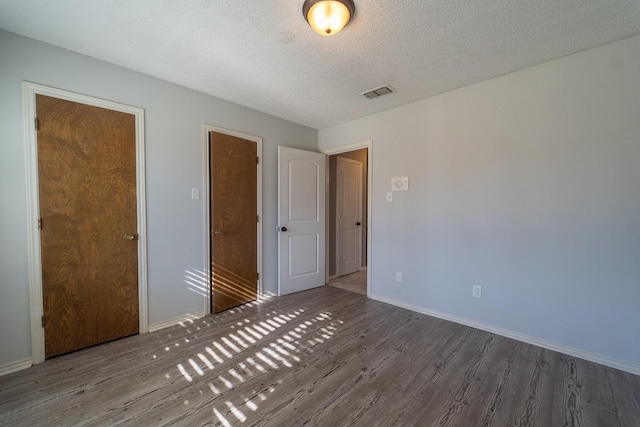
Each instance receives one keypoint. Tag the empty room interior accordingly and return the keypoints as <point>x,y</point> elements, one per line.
<point>320,212</point>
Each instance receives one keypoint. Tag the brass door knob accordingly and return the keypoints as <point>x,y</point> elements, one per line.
<point>130,236</point>
<point>218,232</point>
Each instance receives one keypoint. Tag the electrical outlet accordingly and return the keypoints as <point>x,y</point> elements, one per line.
<point>389,196</point>
<point>195,193</point>
<point>405,183</point>
<point>477,291</point>
<point>398,276</point>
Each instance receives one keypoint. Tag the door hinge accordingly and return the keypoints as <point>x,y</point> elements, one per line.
<point>36,123</point>
<point>257,218</point>
<point>39,223</point>
<point>257,160</point>
<point>258,276</point>
<point>43,321</point>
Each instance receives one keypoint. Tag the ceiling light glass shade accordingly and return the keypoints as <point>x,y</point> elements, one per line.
<point>328,17</point>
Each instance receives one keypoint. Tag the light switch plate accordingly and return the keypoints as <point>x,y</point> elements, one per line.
<point>400,183</point>
<point>477,291</point>
<point>195,193</point>
<point>389,196</point>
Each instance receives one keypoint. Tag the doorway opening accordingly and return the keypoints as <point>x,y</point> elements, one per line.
<point>348,220</point>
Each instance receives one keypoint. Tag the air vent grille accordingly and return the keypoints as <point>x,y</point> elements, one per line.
<point>374,93</point>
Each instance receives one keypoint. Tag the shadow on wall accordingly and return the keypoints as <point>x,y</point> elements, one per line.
<point>197,281</point>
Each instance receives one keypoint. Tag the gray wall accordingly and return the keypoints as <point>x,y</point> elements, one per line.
<point>174,150</point>
<point>528,185</point>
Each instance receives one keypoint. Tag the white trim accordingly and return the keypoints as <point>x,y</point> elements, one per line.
<point>368,144</point>
<point>29,91</point>
<point>349,147</point>
<point>206,250</point>
<point>571,351</point>
<point>206,128</point>
<point>18,365</point>
<point>335,276</point>
<point>363,268</point>
<point>187,318</point>
<point>327,202</point>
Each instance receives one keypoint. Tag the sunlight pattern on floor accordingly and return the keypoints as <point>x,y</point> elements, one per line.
<point>276,343</point>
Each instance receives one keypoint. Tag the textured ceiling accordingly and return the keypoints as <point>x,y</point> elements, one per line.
<point>262,54</point>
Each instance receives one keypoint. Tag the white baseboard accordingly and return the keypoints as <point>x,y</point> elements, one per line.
<point>363,268</point>
<point>16,366</point>
<point>188,318</point>
<point>571,351</point>
<point>332,277</point>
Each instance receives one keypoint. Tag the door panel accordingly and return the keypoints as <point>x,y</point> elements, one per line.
<point>349,209</point>
<point>349,247</point>
<point>234,231</point>
<point>303,204</point>
<point>301,201</point>
<point>301,247</point>
<point>87,196</point>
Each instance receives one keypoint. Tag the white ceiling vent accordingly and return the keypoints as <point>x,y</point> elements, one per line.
<point>382,90</point>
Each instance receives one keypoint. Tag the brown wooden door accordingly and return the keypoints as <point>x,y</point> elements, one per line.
<point>234,236</point>
<point>87,180</point>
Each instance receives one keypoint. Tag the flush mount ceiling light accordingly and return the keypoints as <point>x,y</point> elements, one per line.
<point>328,17</point>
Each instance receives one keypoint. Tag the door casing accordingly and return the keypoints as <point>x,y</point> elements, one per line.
<point>368,144</point>
<point>206,203</point>
<point>29,92</point>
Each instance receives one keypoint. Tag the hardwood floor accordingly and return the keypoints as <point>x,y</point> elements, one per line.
<point>354,282</point>
<point>325,357</point>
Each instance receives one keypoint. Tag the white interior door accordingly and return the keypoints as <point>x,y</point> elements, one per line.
<point>301,220</point>
<point>349,215</point>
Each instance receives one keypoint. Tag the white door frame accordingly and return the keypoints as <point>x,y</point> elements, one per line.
<point>368,144</point>
<point>206,128</point>
<point>338,247</point>
<point>29,92</point>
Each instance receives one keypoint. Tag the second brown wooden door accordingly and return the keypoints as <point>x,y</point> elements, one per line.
<point>87,190</point>
<point>234,248</point>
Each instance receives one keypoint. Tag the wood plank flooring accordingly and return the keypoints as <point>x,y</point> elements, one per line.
<point>325,357</point>
<point>354,282</point>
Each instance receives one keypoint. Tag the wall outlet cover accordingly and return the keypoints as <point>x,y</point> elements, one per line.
<point>389,196</point>
<point>400,184</point>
